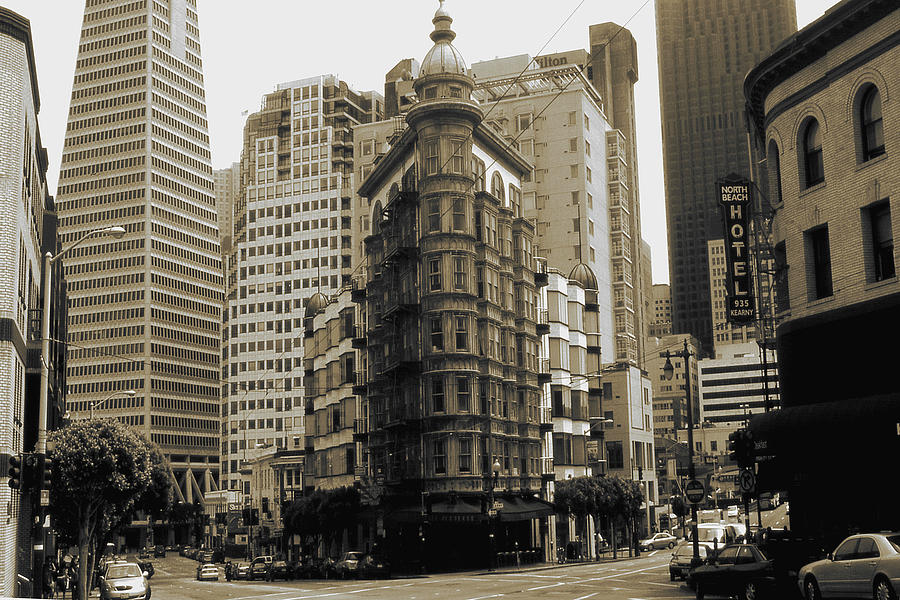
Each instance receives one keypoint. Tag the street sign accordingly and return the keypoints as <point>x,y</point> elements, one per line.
<point>695,491</point>
<point>45,497</point>
<point>747,481</point>
<point>492,513</point>
<point>497,505</point>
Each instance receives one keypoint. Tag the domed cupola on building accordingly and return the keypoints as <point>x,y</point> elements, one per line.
<point>443,74</point>
<point>583,276</point>
<point>316,304</point>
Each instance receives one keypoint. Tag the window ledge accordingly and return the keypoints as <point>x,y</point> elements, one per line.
<point>874,285</point>
<point>812,188</point>
<point>872,161</point>
<point>820,301</point>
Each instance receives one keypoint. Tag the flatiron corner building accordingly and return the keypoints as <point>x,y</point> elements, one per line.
<point>144,310</point>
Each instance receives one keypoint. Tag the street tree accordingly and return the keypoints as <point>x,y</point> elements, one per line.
<point>586,496</point>
<point>101,469</point>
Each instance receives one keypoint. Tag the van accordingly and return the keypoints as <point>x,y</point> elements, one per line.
<point>711,535</point>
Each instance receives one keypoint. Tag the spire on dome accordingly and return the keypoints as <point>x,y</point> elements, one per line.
<point>442,21</point>
<point>443,57</point>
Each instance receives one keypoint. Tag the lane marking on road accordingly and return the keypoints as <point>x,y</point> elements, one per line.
<point>654,552</point>
<point>543,587</point>
<point>674,585</point>
<point>588,596</point>
<point>485,597</point>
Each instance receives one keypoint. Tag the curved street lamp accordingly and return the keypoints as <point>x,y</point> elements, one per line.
<point>40,446</point>
<point>94,405</point>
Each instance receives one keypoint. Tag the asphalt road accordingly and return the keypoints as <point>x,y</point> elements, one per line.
<point>644,578</point>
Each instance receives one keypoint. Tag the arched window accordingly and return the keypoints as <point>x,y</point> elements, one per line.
<point>773,160</point>
<point>813,166</point>
<point>497,186</point>
<point>871,126</point>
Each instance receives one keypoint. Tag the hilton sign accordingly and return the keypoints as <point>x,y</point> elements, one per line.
<point>736,200</point>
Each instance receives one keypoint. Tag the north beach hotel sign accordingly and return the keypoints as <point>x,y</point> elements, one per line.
<point>735,198</point>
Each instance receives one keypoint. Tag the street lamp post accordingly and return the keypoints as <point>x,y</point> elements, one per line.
<point>94,405</point>
<point>44,401</point>
<point>598,423</point>
<point>495,476</point>
<point>669,372</point>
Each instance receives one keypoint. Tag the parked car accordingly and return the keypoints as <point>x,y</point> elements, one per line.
<point>663,539</point>
<point>207,572</point>
<point>259,566</point>
<point>680,565</point>
<point>145,552</point>
<point>218,555</point>
<point>862,566</point>
<point>372,567</point>
<point>159,551</point>
<point>346,567</point>
<point>206,556</point>
<point>737,570</point>
<point>278,569</point>
<point>241,571</point>
<point>183,550</point>
<point>124,580</point>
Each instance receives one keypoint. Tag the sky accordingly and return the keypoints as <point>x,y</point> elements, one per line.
<point>246,53</point>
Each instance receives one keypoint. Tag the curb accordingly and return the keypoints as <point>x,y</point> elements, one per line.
<point>553,566</point>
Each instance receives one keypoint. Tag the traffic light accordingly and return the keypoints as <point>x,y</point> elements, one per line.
<point>15,472</point>
<point>31,470</point>
<point>46,479</point>
<point>741,447</point>
<point>734,444</point>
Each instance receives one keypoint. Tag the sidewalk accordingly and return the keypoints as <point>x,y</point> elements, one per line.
<point>605,558</point>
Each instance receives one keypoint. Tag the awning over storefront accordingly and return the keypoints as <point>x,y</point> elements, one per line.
<point>523,509</point>
<point>470,510</point>
<point>463,510</point>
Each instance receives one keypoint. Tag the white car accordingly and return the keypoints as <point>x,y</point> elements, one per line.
<point>124,580</point>
<point>863,566</point>
<point>208,572</point>
<point>663,539</point>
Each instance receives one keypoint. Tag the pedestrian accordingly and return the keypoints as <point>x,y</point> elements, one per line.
<point>49,577</point>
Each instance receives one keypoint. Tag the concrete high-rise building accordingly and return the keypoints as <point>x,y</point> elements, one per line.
<point>227,187</point>
<point>705,48</point>
<point>582,192</point>
<point>613,72</point>
<point>669,396</point>
<point>293,240</point>
<point>732,385</point>
<point>27,231</point>
<point>661,311</point>
<point>145,310</point>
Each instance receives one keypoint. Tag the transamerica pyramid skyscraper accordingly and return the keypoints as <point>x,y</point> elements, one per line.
<point>144,310</point>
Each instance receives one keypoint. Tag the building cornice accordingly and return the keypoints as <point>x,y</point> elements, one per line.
<point>808,45</point>
<point>17,26</point>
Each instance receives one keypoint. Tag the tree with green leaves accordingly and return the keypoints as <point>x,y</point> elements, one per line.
<point>102,472</point>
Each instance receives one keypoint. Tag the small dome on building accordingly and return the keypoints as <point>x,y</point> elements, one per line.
<point>317,302</point>
<point>584,276</point>
<point>443,57</point>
